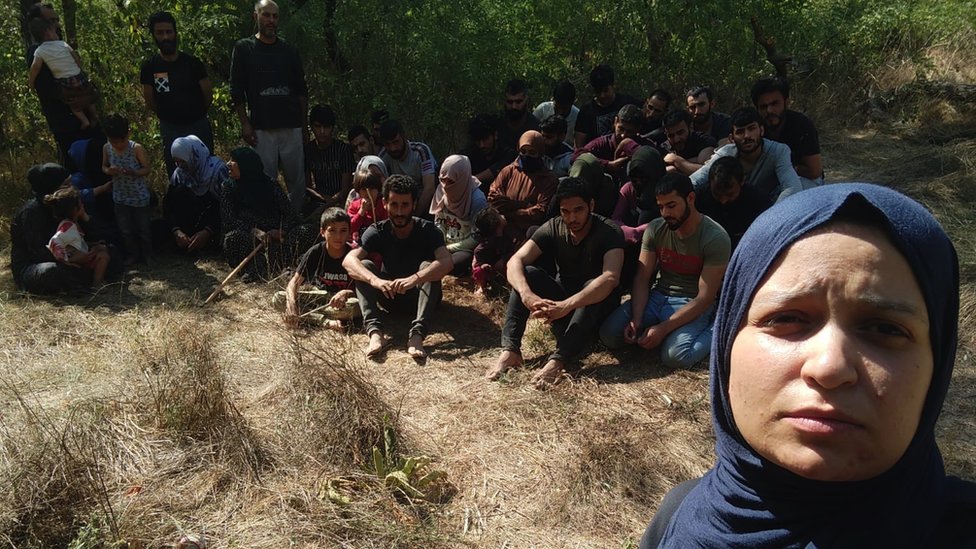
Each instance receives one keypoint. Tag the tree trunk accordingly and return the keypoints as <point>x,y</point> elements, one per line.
<point>25,6</point>
<point>331,40</point>
<point>779,61</point>
<point>69,9</point>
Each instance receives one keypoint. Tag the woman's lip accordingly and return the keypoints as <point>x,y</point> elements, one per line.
<point>819,421</point>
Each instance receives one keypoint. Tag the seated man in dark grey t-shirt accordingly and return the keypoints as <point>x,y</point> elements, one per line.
<point>587,250</point>
<point>415,260</point>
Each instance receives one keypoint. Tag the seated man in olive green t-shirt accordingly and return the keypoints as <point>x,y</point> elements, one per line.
<point>690,251</point>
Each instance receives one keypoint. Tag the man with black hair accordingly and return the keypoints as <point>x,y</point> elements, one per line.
<point>410,158</point>
<point>415,260</point>
<point>596,115</point>
<point>558,154</point>
<point>766,164</point>
<point>657,103</point>
<point>587,250</point>
<point>615,148</point>
<point>268,90</point>
<point>771,97</point>
<point>682,260</point>
<point>562,104</point>
<point>328,161</point>
<point>684,150</point>
<point>701,105</point>
<point>176,87</point>
<point>376,119</point>
<point>361,142</point>
<point>487,155</point>
<point>516,118</point>
<point>64,126</point>
<point>730,202</point>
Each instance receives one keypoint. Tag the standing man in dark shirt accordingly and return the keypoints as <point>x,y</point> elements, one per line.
<point>64,126</point>
<point>176,87</point>
<point>328,161</point>
<point>415,260</point>
<point>587,250</point>
<point>267,86</point>
<point>771,97</point>
<point>701,105</point>
<point>596,115</point>
<point>518,119</point>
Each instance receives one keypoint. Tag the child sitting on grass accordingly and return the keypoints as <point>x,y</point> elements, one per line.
<point>64,63</point>
<point>493,250</point>
<point>68,244</point>
<point>125,161</point>
<point>322,267</point>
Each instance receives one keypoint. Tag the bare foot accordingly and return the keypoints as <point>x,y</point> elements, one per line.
<point>415,347</point>
<point>506,360</point>
<point>550,374</point>
<point>377,344</point>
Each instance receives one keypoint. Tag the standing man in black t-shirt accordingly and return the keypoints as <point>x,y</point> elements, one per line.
<point>415,260</point>
<point>328,161</point>
<point>771,97</point>
<point>176,87</point>
<point>267,86</point>
<point>65,127</point>
<point>596,115</point>
<point>588,251</point>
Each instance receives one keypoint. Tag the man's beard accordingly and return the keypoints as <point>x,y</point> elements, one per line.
<point>515,115</point>
<point>167,47</point>
<point>675,225</point>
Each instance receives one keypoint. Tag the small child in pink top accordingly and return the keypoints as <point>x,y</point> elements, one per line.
<point>68,244</point>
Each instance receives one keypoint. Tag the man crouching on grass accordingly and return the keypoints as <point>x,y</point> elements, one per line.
<point>415,260</point>
<point>587,250</point>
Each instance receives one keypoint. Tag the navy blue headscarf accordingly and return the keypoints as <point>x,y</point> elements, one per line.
<point>747,501</point>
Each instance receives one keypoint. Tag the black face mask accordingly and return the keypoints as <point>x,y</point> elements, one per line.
<point>530,164</point>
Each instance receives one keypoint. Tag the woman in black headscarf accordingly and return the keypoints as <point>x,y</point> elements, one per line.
<point>254,208</point>
<point>834,344</point>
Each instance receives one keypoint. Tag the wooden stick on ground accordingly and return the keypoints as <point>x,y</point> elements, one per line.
<point>236,270</point>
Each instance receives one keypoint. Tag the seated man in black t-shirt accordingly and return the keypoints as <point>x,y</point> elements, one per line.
<point>415,260</point>
<point>322,266</point>
<point>771,97</point>
<point>684,150</point>
<point>487,154</point>
<point>587,250</point>
<point>730,202</point>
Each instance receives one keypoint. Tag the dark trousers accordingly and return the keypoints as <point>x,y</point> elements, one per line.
<point>275,256</point>
<point>135,225</point>
<point>426,297</point>
<point>573,331</point>
<point>54,278</point>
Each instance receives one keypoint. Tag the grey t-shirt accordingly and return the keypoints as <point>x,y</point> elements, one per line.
<point>578,263</point>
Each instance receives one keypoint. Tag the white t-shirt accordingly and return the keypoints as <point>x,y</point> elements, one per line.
<point>56,54</point>
<point>548,108</point>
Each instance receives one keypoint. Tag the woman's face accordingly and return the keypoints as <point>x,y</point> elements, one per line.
<point>446,181</point>
<point>830,369</point>
<point>234,169</point>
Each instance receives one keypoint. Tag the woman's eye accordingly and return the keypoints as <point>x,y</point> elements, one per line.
<point>782,319</point>
<point>888,329</point>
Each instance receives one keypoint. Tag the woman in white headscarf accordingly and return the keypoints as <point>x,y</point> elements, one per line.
<point>457,202</point>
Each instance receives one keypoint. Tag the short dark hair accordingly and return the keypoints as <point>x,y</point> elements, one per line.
<point>323,114</point>
<point>723,172</point>
<point>572,187</point>
<point>677,116</point>
<point>663,95</point>
<point>601,76</point>
<point>378,116</point>
<point>482,125</point>
<point>630,114</point>
<point>160,17</point>
<point>674,181</point>
<point>698,90</point>
<point>770,84</point>
<point>356,131</point>
<point>367,180</point>
<point>564,92</point>
<point>333,215</point>
<point>116,126</point>
<point>400,184</point>
<point>38,26</point>
<point>744,116</point>
<point>63,201</point>
<point>516,86</point>
<point>36,8</point>
<point>486,223</point>
<point>389,129</point>
<point>554,124</point>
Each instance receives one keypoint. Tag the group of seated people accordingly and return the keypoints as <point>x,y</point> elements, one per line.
<point>571,212</point>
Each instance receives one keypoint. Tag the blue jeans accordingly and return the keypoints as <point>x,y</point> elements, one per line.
<point>682,348</point>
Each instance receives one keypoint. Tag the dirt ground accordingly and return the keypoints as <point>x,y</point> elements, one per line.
<point>583,465</point>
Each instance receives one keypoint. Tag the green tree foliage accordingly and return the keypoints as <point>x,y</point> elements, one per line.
<point>434,64</point>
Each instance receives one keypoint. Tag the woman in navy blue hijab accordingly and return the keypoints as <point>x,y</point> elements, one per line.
<point>834,344</point>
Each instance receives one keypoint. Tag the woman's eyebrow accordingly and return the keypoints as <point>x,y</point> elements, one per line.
<point>876,301</point>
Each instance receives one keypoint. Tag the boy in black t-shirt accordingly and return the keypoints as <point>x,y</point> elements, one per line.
<point>322,267</point>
